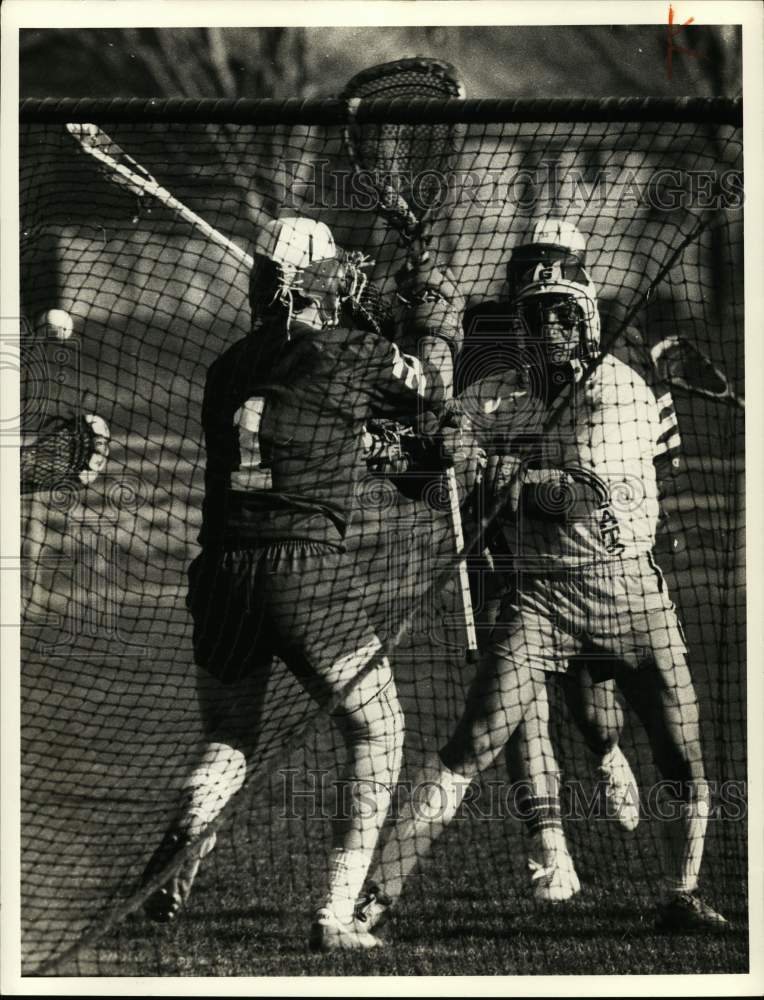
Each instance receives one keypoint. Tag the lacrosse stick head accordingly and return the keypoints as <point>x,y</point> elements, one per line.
<point>407,164</point>
<point>682,365</point>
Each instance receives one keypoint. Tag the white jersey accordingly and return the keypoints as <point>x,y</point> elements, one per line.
<point>596,469</point>
<point>592,475</point>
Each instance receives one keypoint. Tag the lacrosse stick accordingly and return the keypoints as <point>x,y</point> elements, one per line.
<point>120,169</point>
<point>683,366</point>
<point>407,166</point>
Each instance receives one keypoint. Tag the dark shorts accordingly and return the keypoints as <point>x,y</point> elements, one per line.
<point>296,600</point>
<point>617,613</point>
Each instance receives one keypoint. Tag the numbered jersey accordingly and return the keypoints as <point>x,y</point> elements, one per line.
<point>284,429</point>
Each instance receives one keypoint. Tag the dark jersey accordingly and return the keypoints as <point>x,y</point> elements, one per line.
<point>302,403</point>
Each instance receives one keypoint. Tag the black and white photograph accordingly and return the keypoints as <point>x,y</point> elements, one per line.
<point>374,485</point>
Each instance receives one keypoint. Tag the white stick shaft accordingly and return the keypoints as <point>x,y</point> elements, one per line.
<point>463,580</point>
<point>125,172</point>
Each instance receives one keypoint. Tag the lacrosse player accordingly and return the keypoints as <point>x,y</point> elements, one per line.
<point>274,577</point>
<point>593,704</point>
<point>586,585</point>
<point>590,695</point>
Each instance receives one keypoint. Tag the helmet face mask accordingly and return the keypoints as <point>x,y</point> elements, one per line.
<point>554,296</point>
<point>324,284</point>
<point>558,323</point>
<point>559,313</point>
<point>299,272</point>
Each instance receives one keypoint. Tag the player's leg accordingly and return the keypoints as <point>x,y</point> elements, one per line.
<point>499,696</point>
<point>370,720</point>
<point>333,650</point>
<point>218,773</point>
<point>231,682</point>
<point>535,775</point>
<point>595,708</point>
<point>662,693</point>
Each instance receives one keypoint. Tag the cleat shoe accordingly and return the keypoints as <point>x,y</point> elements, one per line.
<point>620,789</point>
<point>555,882</point>
<point>686,913</point>
<point>329,933</point>
<point>373,908</point>
<point>166,902</point>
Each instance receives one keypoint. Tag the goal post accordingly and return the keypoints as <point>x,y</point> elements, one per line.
<point>141,227</point>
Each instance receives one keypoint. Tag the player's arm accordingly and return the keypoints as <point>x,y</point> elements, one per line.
<point>432,319</point>
<point>402,381</point>
<point>422,354</point>
<point>622,447</point>
<point>633,350</point>
<point>430,330</point>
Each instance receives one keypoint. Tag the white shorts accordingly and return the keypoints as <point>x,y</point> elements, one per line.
<point>619,611</point>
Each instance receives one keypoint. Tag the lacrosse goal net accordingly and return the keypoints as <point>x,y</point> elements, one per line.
<point>109,715</point>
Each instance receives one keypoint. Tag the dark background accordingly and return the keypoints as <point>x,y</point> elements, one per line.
<point>502,61</point>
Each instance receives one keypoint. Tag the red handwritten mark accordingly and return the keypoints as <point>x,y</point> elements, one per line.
<point>671,48</point>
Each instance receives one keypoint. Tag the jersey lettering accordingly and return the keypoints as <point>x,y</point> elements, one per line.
<point>610,530</point>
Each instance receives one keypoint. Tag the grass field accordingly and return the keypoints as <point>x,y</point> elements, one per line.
<point>467,913</point>
<point>100,776</point>
<point>109,722</point>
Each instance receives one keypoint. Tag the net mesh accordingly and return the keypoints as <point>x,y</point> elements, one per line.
<point>110,716</point>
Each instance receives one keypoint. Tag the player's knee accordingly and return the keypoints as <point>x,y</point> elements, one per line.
<point>371,715</point>
<point>470,751</point>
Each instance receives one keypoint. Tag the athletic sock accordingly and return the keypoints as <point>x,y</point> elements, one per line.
<point>347,871</point>
<point>685,835</point>
<point>541,813</point>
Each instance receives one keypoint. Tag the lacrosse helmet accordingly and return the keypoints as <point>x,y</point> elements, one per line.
<point>296,263</point>
<point>557,306</point>
<point>550,240</point>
